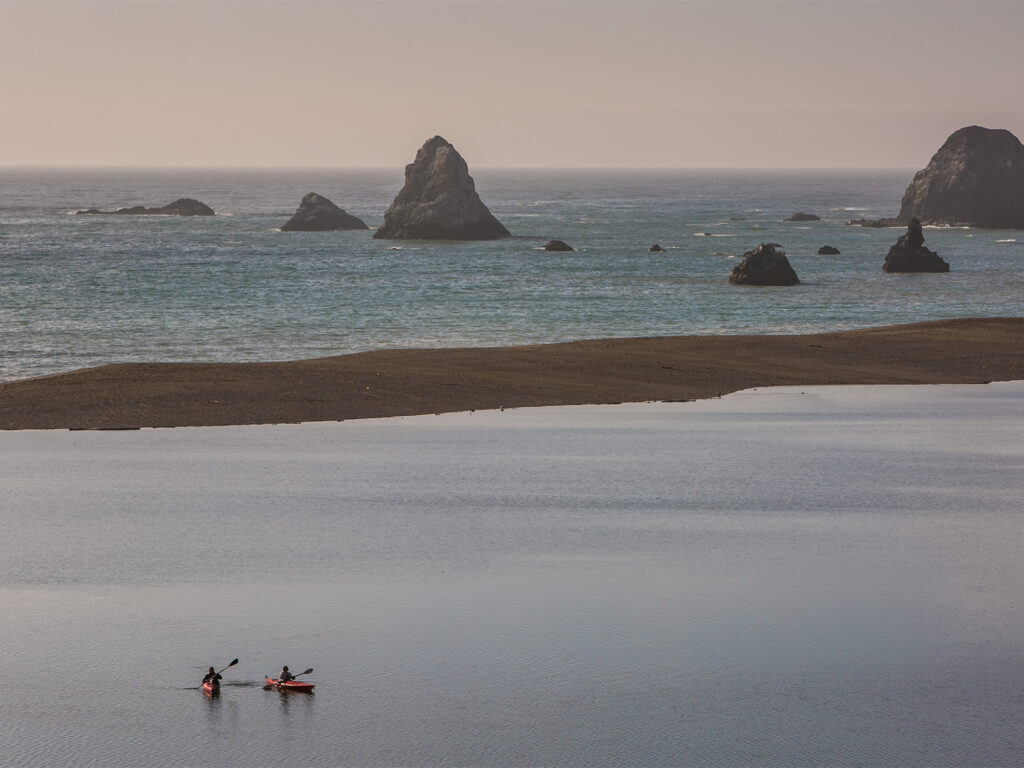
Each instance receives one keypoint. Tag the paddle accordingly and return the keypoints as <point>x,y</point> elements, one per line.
<point>269,686</point>
<point>229,665</point>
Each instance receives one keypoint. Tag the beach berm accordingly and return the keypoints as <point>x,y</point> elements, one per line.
<point>422,381</point>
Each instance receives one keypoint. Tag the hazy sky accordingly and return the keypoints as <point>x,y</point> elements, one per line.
<point>612,84</point>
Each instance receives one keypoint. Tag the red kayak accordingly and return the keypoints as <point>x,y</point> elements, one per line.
<point>291,685</point>
<point>211,687</point>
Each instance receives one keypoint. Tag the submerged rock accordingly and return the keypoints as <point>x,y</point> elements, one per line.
<point>318,214</point>
<point>875,223</point>
<point>803,217</point>
<point>909,254</point>
<point>828,250</point>
<point>184,206</point>
<point>765,265</point>
<point>557,245</point>
<point>976,179</point>
<point>657,249</point>
<point>439,200</point>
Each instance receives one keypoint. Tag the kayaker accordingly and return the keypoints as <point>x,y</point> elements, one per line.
<point>212,677</point>
<point>285,675</point>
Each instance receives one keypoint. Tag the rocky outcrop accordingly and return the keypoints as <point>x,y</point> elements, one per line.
<point>184,206</point>
<point>803,217</point>
<point>765,265</point>
<point>318,214</point>
<point>876,223</point>
<point>657,249</point>
<point>976,179</point>
<point>557,245</point>
<point>828,250</point>
<point>439,200</point>
<point>910,255</point>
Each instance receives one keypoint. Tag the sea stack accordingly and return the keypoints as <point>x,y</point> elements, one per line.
<point>439,200</point>
<point>557,245</point>
<point>318,214</point>
<point>183,206</point>
<point>976,179</point>
<point>910,255</point>
<point>765,265</point>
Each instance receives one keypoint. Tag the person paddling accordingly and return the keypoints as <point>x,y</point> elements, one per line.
<point>285,675</point>
<point>213,678</point>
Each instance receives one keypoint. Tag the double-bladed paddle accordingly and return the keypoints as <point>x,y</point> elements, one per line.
<point>229,665</point>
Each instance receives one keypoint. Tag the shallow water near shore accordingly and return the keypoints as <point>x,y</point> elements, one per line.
<point>793,576</point>
<point>79,291</point>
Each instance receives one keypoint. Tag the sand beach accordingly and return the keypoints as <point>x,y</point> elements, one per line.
<point>422,381</point>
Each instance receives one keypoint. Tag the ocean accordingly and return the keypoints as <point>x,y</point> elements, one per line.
<point>80,291</point>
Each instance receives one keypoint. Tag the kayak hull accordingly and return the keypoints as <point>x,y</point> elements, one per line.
<point>294,686</point>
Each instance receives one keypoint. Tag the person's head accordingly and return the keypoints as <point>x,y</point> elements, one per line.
<point>212,669</point>
<point>284,668</point>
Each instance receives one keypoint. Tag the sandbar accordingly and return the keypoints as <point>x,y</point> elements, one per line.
<point>410,382</point>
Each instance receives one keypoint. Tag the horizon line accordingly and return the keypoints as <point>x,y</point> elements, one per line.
<point>648,168</point>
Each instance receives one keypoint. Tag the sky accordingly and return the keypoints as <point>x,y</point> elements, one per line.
<point>513,83</point>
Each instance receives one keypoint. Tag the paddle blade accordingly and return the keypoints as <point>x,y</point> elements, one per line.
<point>232,663</point>
<point>308,671</point>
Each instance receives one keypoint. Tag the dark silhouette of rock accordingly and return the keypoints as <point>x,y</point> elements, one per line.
<point>184,206</point>
<point>557,245</point>
<point>914,236</point>
<point>875,223</point>
<point>803,217</point>
<point>657,249</point>
<point>439,200</point>
<point>910,255</point>
<point>828,250</point>
<point>976,179</point>
<point>765,265</point>
<point>318,214</point>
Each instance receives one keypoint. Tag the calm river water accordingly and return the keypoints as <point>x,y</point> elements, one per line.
<point>785,577</point>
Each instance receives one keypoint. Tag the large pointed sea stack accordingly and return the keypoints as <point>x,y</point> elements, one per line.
<point>910,255</point>
<point>439,200</point>
<point>976,179</point>
<point>318,214</point>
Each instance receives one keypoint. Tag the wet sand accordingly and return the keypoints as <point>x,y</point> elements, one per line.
<point>420,381</point>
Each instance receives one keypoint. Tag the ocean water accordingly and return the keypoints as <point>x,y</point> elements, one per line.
<point>797,576</point>
<point>78,291</point>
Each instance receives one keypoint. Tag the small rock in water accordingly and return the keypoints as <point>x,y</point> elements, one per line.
<point>803,217</point>
<point>183,206</point>
<point>909,254</point>
<point>828,250</point>
<point>765,265</point>
<point>657,249</point>
<point>557,245</point>
<point>318,214</point>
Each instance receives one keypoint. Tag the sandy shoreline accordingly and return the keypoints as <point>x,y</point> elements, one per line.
<point>420,381</point>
